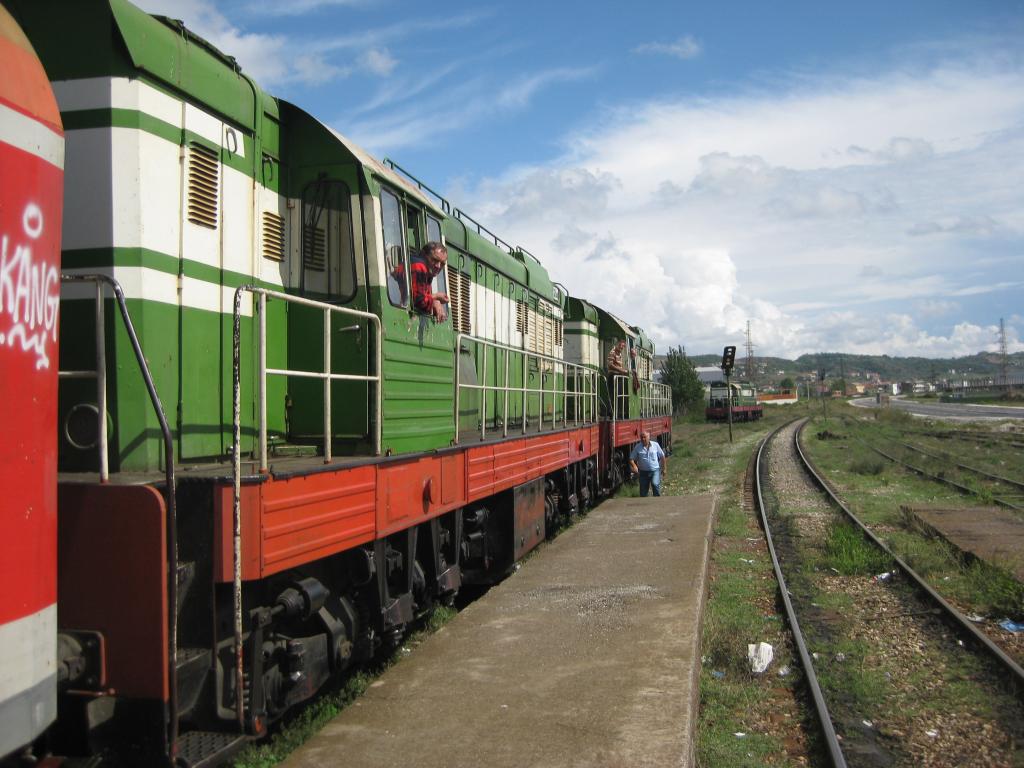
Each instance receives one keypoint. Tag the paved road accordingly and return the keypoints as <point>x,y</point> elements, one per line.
<point>588,656</point>
<point>947,411</point>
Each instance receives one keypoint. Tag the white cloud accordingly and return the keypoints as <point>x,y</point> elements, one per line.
<point>900,149</point>
<point>685,47</point>
<point>823,200</point>
<point>468,99</point>
<point>935,307</point>
<point>791,209</point>
<point>969,225</point>
<point>519,93</point>
<point>378,61</point>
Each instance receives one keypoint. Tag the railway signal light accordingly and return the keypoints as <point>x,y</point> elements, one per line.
<point>728,359</point>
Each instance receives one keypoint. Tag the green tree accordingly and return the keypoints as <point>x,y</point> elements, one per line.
<point>787,383</point>
<point>838,385</point>
<point>678,372</point>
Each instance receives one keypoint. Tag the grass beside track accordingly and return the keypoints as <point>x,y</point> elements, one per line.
<point>875,489</point>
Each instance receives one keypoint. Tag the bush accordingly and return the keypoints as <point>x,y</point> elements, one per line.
<point>867,466</point>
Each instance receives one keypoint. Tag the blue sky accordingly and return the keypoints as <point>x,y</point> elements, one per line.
<point>847,177</point>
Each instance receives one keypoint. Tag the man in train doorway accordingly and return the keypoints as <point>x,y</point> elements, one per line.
<point>616,367</point>
<point>647,459</point>
<point>426,265</point>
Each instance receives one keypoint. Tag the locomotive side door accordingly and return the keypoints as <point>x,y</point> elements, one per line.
<point>418,397</point>
<point>331,269</point>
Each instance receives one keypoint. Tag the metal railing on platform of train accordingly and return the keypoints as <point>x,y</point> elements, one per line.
<point>655,398</point>
<point>582,396</point>
<point>326,375</point>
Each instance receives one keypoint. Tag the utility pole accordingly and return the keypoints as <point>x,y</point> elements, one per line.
<point>750,356</point>
<point>1004,362</point>
<point>728,360</point>
<point>842,373</point>
<point>821,387</point>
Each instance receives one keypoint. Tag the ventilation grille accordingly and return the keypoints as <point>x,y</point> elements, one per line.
<point>203,185</point>
<point>273,236</point>
<point>522,317</point>
<point>558,332</point>
<point>314,249</point>
<point>544,337</point>
<point>459,288</point>
<point>548,340</point>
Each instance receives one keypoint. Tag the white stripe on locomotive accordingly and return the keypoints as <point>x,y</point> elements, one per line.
<point>29,135</point>
<point>28,646</point>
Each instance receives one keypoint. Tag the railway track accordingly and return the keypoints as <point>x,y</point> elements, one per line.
<point>965,489</point>
<point>888,628</point>
<point>1011,491</point>
<point>1003,491</point>
<point>989,438</point>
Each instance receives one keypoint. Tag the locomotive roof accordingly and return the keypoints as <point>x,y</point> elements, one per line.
<point>368,161</point>
<point>581,309</point>
<point>643,339</point>
<point>612,325</point>
<point>81,47</point>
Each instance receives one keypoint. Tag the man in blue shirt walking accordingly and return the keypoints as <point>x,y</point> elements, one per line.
<point>648,460</point>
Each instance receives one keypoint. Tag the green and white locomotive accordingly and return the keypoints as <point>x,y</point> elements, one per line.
<point>271,462</point>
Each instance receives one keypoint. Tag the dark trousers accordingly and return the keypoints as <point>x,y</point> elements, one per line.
<point>650,479</point>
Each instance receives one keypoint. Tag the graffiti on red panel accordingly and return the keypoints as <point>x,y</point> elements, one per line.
<point>29,290</point>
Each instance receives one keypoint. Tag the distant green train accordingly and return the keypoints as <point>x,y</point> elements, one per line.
<point>272,463</point>
<point>745,406</point>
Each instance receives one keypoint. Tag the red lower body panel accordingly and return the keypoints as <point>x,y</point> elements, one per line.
<point>112,579</point>
<point>628,432</point>
<point>294,520</point>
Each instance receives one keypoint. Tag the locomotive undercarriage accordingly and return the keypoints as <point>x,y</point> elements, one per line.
<point>303,627</point>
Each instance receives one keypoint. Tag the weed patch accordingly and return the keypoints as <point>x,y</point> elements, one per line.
<point>849,553</point>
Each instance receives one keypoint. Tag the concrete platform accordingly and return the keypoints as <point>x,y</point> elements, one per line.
<point>588,656</point>
<point>992,534</point>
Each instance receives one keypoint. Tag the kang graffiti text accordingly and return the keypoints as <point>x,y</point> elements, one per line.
<point>29,291</point>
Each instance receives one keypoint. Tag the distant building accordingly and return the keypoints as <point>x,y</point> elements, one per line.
<point>708,374</point>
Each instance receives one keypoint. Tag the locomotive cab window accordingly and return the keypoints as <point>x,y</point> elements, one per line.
<point>433,229</point>
<point>439,276</point>
<point>394,249</point>
<point>328,262</point>
<point>440,282</point>
<point>407,228</point>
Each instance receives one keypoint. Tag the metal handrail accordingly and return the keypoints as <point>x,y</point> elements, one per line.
<point>655,398</point>
<point>482,230</point>
<point>583,395</point>
<point>327,377</point>
<point>100,374</point>
<point>620,397</point>
<point>445,205</point>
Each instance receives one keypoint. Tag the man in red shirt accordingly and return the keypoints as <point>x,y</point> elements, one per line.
<point>425,266</point>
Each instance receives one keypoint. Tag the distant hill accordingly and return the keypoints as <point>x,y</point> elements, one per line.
<point>857,367</point>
